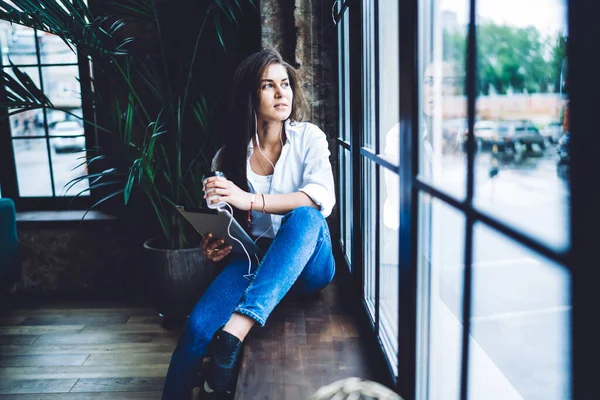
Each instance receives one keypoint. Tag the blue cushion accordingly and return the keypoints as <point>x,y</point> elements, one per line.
<point>9,245</point>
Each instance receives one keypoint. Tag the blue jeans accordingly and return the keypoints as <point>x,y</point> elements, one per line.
<point>298,261</point>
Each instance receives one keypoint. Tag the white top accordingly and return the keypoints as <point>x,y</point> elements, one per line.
<point>261,223</point>
<point>391,206</point>
<point>302,166</point>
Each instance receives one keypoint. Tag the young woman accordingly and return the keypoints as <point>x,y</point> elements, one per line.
<point>279,183</point>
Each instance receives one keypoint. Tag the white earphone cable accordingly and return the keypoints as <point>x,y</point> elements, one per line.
<point>222,203</point>
<point>269,161</point>
<point>249,274</point>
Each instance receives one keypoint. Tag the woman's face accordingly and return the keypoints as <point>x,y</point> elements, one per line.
<point>275,94</point>
<point>449,85</point>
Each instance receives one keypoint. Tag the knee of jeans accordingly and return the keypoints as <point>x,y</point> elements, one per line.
<point>307,214</point>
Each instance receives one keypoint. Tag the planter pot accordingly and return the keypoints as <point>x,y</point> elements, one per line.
<point>177,279</point>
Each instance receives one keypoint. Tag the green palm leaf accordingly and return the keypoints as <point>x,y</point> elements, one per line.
<point>71,21</point>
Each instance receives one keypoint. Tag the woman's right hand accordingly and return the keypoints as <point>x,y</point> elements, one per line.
<point>211,250</point>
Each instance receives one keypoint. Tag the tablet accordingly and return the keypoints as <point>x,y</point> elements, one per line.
<point>206,220</point>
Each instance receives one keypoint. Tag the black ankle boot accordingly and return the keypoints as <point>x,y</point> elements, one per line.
<point>224,363</point>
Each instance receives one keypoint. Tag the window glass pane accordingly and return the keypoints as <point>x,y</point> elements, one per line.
<point>33,172</point>
<point>388,264</point>
<point>28,123</point>
<point>389,67</point>
<point>520,319</point>
<point>441,257</point>
<point>346,66</point>
<point>53,50</point>
<point>342,194</point>
<point>442,98</point>
<point>349,206</point>
<point>32,72</point>
<point>368,76</point>
<point>31,122</point>
<point>62,87</point>
<point>369,226</point>
<point>18,44</point>
<point>68,162</point>
<point>520,108</point>
<point>61,123</point>
<point>344,76</point>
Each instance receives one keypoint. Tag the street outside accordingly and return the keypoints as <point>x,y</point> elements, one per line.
<point>33,169</point>
<point>521,302</point>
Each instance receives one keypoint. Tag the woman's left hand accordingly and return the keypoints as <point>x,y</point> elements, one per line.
<point>226,191</point>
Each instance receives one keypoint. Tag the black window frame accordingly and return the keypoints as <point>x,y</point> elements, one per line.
<point>585,196</point>
<point>8,169</point>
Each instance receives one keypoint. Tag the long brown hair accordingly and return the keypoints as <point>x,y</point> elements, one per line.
<point>241,124</point>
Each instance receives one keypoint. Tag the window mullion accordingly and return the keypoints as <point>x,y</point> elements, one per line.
<point>45,113</point>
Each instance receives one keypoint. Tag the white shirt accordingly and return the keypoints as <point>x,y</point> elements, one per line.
<point>302,166</point>
<point>391,205</point>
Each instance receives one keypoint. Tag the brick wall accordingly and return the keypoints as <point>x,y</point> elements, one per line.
<point>304,33</point>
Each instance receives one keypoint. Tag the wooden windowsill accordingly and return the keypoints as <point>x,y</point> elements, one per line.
<point>62,219</point>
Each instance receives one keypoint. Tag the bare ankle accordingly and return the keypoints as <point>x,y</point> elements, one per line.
<point>239,325</point>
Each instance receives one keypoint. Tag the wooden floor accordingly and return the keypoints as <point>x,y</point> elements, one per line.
<point>65,351</point>
<point>115,351</point>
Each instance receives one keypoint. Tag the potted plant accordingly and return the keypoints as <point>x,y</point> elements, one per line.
<point>151,97</point>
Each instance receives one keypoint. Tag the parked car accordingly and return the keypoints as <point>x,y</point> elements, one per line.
<point>71,138</point>
<point>525,135</point>
<point>506,135</point>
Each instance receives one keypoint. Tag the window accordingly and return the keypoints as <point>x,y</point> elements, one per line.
<point>344,161</point>
<point>43,148</point>
<point>462,168</point>
<point>519,332</point>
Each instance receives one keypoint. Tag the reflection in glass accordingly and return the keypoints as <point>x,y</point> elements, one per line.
<point>33,172</point>
<point>68,155</point>
<point>443,101</point>
<point>520,116</point>
<point>520,319</point>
